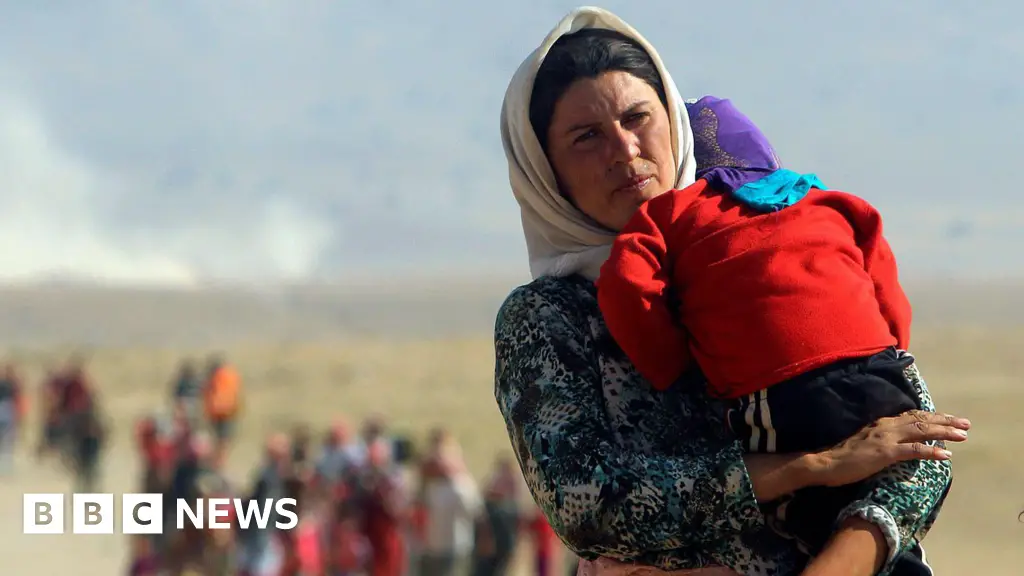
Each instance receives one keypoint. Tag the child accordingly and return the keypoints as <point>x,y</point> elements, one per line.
<point>783,294</point>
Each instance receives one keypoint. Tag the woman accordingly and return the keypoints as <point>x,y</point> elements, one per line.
<point>385,510</point>
<point>451,502</point>
<point>498,525</point>
<point>593,126</point>
<point>266,550</point>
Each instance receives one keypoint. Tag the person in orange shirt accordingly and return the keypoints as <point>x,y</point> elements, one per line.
<point>222,399</point>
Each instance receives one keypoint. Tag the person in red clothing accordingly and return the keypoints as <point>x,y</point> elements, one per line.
<point>782,294</point>
<point>385,511</point>
<point>157,454</point>
<point>545,544</point>
<point>348,548</point>
<point>76,392</point>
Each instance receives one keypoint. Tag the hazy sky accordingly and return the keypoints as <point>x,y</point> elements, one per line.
<point>164,141</point>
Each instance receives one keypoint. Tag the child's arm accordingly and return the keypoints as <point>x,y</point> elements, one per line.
<point>633,296</point>
<point>880,264</point>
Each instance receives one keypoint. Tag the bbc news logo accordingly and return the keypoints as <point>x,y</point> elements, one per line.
<point>144,513</point>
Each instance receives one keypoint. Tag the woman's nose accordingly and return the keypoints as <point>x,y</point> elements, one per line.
<point>624,145</point>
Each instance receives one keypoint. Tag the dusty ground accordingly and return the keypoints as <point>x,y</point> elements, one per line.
<point>973,372</point>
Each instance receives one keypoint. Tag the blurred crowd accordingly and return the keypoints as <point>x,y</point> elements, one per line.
<point>72,422</point>
<point>370,502</point>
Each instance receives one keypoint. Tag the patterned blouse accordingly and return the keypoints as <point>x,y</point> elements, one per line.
<point>633,475</point>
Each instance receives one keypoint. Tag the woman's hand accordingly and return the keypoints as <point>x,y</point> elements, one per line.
<point>876,447</point>
<point>886,442</point>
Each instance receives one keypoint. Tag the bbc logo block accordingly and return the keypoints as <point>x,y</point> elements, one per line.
<point>44,514</point>
<point>92,513</point>
<point>142,514</point>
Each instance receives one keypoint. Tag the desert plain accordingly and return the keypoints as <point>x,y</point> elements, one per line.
<point>422,357</point>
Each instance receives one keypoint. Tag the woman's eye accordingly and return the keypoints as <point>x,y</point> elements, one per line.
<point>634,118</point>
<point>586,136</point>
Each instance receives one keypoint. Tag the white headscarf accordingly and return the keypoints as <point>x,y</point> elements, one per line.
<point>561,240</point>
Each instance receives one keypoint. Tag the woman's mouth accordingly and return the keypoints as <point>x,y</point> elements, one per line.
<point>636,185</point>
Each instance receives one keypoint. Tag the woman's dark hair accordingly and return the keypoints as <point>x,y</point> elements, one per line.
<point>587,53</point>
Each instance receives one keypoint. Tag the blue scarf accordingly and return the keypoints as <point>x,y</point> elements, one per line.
<point>777,190</point>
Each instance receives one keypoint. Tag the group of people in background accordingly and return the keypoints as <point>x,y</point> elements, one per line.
<point>370,502</point>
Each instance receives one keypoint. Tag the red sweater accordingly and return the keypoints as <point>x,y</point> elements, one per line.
<point>762,297</point>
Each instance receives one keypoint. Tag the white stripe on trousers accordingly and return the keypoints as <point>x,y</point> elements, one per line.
<point>758,416</point>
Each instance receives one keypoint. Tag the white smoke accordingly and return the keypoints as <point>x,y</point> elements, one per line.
<point>49,224</point>
<point>46,220</point>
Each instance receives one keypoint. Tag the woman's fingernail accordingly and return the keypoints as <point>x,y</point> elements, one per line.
<point>960,433</point>
<point>945,454</point>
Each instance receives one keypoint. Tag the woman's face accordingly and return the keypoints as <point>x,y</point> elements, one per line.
<point>610,144</point>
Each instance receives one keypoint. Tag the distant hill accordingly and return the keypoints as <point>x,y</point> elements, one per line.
<point>50,314</point>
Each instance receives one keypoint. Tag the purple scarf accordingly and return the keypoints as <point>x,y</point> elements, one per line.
<point>731,151</point>
<point>734,156</point>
